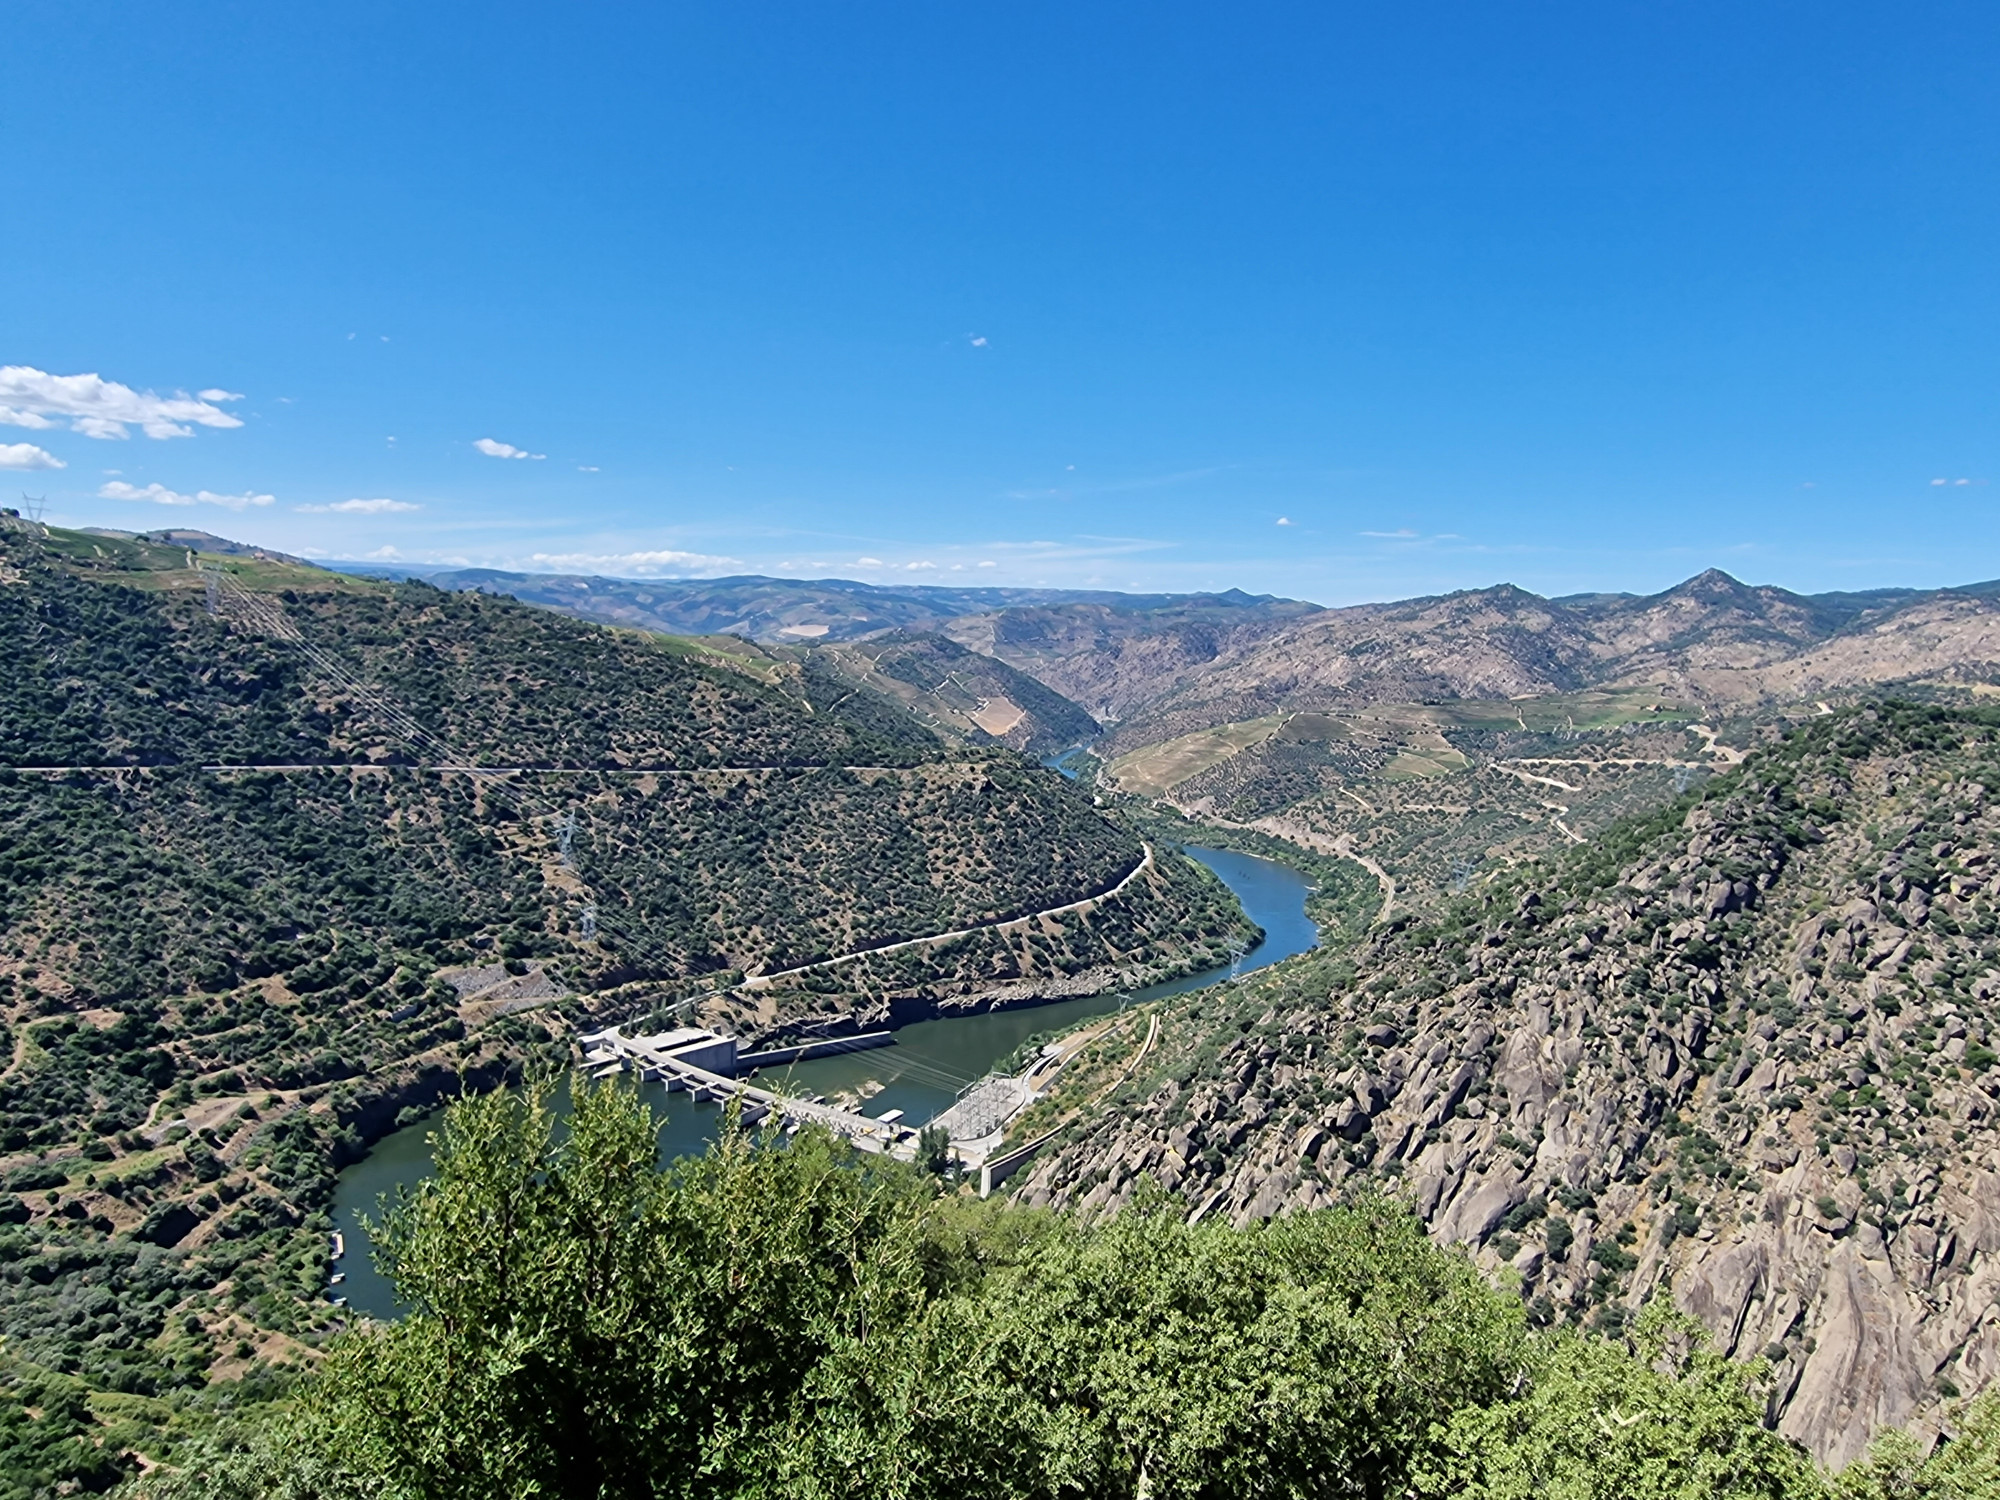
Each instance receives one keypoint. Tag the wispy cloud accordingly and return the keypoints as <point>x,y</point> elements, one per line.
<point>1404,535</point>
<point>494,448</point>
<point>159,494</point>
<point>359,507</point>
<point>101,408</point>
<point>1083,546</point>
<point>1120,486</point>
<point>664,563</point>
<point>28,456</point>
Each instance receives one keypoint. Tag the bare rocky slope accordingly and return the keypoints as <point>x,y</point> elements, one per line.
<point>1739,1050</point>
<point>962,696</point>
<point>1711,639</point>
<point>1114,654</point>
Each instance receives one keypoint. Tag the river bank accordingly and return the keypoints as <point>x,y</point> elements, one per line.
<point>931,1061</point>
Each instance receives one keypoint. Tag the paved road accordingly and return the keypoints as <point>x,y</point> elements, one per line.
<point>757,981</point>
<point>481,770</point>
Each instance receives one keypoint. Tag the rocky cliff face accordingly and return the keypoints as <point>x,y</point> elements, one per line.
<point>1737,1051</point>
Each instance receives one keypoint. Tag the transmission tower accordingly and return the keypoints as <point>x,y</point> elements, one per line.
<point>258,612</point>
<point>1461,873</point>
<point>566,838</point>
<point>1683,779</point>
<point>34,506</point>
<point>983,1106</point>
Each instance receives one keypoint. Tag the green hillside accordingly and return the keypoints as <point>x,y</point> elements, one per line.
<point>248,915</point>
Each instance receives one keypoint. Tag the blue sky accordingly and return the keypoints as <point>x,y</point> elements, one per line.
<point>1338,301</point>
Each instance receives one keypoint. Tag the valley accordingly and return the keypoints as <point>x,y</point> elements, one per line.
<point>218,984</point>
<point>1655,936</point>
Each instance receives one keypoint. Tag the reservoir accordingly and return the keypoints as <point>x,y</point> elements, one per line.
<point>920,1075</point>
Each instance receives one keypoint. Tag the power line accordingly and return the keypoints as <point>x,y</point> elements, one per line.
<point>276,622</point>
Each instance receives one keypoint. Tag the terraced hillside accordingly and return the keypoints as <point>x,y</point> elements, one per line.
<point>1742,1049</point>
<point>248,913</point>
<point>961,695</point>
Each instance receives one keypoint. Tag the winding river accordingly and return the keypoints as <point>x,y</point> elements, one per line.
<point>920,1075</point>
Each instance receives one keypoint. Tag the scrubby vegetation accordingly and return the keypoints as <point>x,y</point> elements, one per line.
<point>1741,1048</point>
<point>243,930</point>
<point>785,1319</point>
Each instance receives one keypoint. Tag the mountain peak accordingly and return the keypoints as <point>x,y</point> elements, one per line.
<point>1712,581</point>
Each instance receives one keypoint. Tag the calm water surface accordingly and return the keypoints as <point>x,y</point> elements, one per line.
<point>920,1075</point>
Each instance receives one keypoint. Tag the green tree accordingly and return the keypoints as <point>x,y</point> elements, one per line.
<point>1966,1466</point>
<point>1670,1416</point>
<point>584,1324</point>
<point>1142,1357</point>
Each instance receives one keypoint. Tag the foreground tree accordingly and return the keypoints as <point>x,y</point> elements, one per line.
<point>791,1319</point>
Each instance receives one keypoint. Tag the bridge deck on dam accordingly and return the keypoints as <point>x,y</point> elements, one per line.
<point>677,1058</point>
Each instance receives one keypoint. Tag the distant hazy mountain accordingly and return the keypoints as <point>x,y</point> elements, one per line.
<point>787,610</point>
<point>1160,665</point>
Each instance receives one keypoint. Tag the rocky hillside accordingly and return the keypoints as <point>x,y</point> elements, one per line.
<point>701,819</point>
<point>1712,640</point>
<point>1741,1050</point>
<point>962,696</point>
<point>1116,653</point>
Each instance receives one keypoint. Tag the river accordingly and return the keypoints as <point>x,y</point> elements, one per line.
<point>920,1075</point>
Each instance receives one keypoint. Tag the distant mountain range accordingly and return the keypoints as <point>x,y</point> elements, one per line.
<point>786,610</point>
<point>1155,666</point>
<point>1712,640</point>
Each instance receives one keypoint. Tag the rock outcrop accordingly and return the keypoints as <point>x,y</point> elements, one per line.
<point>1737,1052</point>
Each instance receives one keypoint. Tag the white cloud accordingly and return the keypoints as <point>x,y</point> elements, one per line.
<point>101,408</point>
<point>360,507</point>
<point>217,393</point>
<point>919,566</point>
<point>493,448</point>
<point>867,562</point>
<point>1940,481</point>
<point>586,468</point>
<point>663,563</point>
<point>978,340</point>
<point>1284,520</point>
<point>383,554</point>
<point>159,494</point>
<point>989,563</point>
<point>28,456</point>
<point>1404,535</point>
